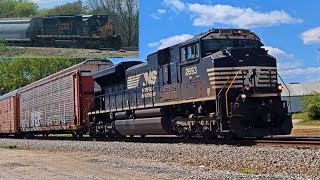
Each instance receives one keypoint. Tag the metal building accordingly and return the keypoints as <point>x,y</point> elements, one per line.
<point>296,91</point>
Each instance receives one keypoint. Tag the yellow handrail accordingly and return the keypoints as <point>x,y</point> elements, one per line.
<point>226,94</point>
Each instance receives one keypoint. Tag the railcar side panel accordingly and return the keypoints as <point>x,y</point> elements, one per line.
<point>59,102</point>
<point>49,106</point>
<point>9,115</point>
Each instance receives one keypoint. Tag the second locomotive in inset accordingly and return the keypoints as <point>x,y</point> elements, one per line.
<point>86,31</point>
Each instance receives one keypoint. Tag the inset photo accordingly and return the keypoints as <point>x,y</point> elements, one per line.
<point>80,29</point>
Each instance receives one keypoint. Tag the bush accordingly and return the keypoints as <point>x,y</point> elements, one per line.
<point>311,105</point>
<point>3,46</point>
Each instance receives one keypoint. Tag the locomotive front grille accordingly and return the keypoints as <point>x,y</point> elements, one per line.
<point>254,76</point>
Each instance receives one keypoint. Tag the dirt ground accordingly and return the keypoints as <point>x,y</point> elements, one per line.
<point>26,164</point>
<point>304,130</point>
<point>24,52</point>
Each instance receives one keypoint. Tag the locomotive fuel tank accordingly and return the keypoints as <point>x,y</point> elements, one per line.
<point>141,126</point>
<point>145,122</point>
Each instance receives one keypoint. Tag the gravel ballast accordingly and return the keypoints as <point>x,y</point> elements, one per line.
<point>190,161</point>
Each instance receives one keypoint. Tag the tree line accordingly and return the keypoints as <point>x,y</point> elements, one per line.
<point>16,73</point>
<point>124,14</point>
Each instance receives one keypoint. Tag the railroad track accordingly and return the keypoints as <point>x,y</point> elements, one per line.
<point>292,141</point>
<point>298,141</point>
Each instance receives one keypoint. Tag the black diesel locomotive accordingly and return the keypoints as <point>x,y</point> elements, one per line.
<point>219,83</point>
<point>83,31</point>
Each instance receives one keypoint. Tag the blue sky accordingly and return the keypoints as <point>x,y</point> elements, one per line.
<point>290,30</point>
<point>287,28</point>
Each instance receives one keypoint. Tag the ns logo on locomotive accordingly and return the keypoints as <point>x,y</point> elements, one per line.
<point>219,83</point>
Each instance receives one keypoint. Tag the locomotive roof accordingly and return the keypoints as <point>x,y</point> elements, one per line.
<point>113,69</point>
<point>224,34</point>
<point>137,66</point>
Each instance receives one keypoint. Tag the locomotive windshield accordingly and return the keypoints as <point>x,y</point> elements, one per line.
<point>210,46</point>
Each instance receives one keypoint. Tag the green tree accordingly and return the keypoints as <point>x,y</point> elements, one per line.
<point>66,9</point>
<point>124,15</point>
<point>16,73</point>
<point>311,105</point>
<point>7,8</point>
<point>17,8</point>
<point>26,9</point>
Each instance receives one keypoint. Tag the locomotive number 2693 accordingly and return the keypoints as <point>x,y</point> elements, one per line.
<point>191,71</point>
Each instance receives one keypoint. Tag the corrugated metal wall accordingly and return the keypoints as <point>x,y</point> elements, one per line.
<point>7,116</point>
<point>47,105</point>
<point>295,103</point>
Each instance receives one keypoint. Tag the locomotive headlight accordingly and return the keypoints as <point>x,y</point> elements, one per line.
<point>247,88</point>
<point>280,87</point>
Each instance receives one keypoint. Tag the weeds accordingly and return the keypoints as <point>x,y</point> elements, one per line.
<point>248,171</point>
<point>9,147</point>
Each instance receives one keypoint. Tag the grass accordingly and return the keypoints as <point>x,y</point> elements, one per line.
<point>248,171</point>
<point>9,147</point>
<point>306,120</point>
<point>41,52</point>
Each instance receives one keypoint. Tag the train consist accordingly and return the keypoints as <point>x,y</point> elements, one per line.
<point>221,83</point>
<point>85,31</point>
<point>56,104</point>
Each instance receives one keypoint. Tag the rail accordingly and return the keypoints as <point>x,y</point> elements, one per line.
<point>226,94</point>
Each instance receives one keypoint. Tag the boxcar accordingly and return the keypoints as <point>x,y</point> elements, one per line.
<point>59,103</point>
<point>9,113</point>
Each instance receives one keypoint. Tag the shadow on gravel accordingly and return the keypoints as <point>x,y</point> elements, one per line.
<point>168,140</point>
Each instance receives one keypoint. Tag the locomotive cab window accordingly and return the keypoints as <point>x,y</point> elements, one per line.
<point>190,52</point>
<point>210,46</point>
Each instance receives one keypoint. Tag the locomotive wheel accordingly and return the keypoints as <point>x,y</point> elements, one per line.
<point>206,136</point>
<point>74,134</point>
<point>186,136</point>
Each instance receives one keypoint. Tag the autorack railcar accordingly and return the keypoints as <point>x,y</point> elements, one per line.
<point>219,83</point>
<point>56,104</point>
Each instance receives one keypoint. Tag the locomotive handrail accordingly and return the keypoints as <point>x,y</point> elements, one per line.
<point>226,94</point>
<point>288,91</point>
<point>218,108</point>
<point>87,108</point>
<point>218,105</point>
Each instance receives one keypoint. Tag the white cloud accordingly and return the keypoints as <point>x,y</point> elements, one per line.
<point>162,11</point>
<point>155,16</point>
<point>311,36</point>
<point>301,71</point>
<point>176,5</point>
<point>278,53</point>
<point>163,43</point>
<point>158,14</point>
<point>290,67</point>
<point>208,15</point>
<point>285,61</point>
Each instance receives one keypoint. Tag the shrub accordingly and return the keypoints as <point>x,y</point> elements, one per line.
<point>311,105</point>
<point>3,46</point>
